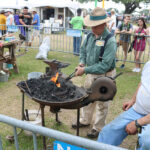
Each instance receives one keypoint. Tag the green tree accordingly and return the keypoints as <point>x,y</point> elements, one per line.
<point>130,5</point>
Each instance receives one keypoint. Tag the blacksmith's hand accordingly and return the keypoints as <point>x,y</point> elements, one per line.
<point>81,65</point>
<point>80,71</point>
<point>127,105</point>
<point>131,128</point>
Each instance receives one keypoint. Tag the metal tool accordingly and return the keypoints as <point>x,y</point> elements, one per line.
<point>71,75</point>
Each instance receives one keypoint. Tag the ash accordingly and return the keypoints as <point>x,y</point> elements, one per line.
<point>46,90</point>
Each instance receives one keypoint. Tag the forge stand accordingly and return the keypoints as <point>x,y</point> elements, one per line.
<point>42,106</point>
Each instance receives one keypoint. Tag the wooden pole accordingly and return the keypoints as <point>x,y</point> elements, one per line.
<point>95,3</point>
<point>103,4</point>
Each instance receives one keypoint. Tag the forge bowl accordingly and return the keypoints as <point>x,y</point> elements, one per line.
<point>69,104</point>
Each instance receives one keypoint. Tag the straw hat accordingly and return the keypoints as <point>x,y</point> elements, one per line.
<point>97,17</point>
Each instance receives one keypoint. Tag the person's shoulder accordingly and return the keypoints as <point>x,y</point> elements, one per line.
<point>131,25</point>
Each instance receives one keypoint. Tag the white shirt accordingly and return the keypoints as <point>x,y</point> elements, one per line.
<point>142,104</point>
<point>113,20</point>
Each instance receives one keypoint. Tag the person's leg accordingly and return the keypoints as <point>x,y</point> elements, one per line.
<point>101,113</point>
<point>144,138</point>
<point>114,133</point>
<point>74,45</point>
<point>135,53</point>
<point>27,40</point>
<point>79,39</point>
<point>87,111</point>
<point>125,50</point>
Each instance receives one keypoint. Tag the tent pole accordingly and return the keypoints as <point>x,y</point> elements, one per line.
<point>103,4</point>
<point>95,3</point>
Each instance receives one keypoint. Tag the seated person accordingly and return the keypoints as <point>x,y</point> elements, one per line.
<point>136,115</point>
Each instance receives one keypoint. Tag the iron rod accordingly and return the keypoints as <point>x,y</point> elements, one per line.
<point>1,147</point>
<point>23,116</point>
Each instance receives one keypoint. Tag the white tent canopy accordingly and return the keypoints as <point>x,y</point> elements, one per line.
<point>18,4</point>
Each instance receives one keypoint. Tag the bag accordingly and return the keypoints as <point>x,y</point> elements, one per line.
<point>131,46</point>
<point>44,48</point>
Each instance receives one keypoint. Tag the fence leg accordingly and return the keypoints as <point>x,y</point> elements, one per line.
<point>16,138</point>
<point>1,148</point>
<point>43,124</point>
<point>34,141</point>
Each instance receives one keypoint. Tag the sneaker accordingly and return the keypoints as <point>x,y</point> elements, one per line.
<point>122,66</point>
<point>93,134</point>
<point>18,50</point>
<point>134,70</point>
<point>138,69</point>
<point>26,50</point>
<point>74,126</point>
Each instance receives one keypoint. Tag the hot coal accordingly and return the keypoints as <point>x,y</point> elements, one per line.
<point>46,90</point>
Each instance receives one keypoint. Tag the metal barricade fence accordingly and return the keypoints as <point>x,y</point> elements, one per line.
<point>68,138</point>
<point>62,40</point>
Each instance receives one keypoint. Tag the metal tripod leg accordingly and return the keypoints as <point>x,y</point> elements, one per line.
<point>78,118</point>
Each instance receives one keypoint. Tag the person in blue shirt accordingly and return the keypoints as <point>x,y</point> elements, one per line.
<point>36,26</point>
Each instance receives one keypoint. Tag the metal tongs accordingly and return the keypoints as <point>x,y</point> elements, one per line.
<point>71,75</point>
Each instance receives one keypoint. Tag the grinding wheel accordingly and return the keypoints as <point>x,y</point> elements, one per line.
<point>103,89</point>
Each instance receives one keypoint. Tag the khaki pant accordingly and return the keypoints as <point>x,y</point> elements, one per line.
<point>100,107</point>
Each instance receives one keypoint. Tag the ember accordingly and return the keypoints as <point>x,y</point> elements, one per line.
<point>55,79</point>
<point>46,90</point>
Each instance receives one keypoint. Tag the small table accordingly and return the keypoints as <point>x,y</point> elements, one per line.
<point>10,58</point>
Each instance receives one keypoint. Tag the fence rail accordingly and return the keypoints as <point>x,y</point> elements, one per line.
<point>63,40</point>
<point>68,138</point>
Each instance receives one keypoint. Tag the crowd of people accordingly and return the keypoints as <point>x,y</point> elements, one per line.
<point>125,29</point>
<point>23,21</point>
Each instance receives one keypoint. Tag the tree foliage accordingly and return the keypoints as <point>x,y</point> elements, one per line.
<point>130,5</point>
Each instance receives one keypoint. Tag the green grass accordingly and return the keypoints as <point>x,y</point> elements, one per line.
<point>126,86</point>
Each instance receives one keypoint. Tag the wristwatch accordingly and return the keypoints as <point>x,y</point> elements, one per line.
<point>137,124</point>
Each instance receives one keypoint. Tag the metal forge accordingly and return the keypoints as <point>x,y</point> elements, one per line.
<point>54,89</point>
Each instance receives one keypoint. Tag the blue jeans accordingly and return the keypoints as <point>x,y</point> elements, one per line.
<point>76,45</point>
<point>114,133</point>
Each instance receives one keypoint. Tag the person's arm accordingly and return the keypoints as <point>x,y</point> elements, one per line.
<point>130,30</point>
<point>131,128</point>
<point>127,105</point>
<point>11,20</point>
<point>21,21</point>
<point>27,16</point>
<point>117,31</point>
<point>35,20</point>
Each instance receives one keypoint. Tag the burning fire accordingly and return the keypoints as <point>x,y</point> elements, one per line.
<point>55,79</point>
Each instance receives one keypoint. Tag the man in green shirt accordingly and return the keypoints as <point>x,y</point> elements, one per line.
<point>93,67</point>
<point>77,23</point>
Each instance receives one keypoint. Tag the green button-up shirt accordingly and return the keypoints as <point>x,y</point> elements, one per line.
<point>89,54</point>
